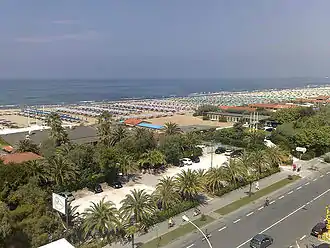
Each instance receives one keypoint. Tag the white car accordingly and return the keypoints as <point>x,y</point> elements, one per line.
<point>186,161</point>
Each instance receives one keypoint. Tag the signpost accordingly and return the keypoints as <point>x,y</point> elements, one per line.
<point>302,150</point>
<point>60,204</point>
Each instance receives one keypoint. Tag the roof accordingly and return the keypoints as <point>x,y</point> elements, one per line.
<point>273,106</point>
<point>260,237</point>
<point>79,135</point>
<point>8,148</point>
<point>239,108</point>
<point>190,128</point>
<point>260,117</point>
<point>18,158</point>
<point>63,243</point>
<point>132,121</point>
<point>148,125</point>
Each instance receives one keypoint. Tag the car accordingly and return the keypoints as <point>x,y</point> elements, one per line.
<point>261,241</point>
<point>228,152</point>
<point>220,150</point>
<point>195,159</point>
<point>68,196</point>
<point>323,245</point>
<point>117,185</point>
<point>186,161</point>
<point>319,229</point>
<point>98,189</point>
<point>236,153</point>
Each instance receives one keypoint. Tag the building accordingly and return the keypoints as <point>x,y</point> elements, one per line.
<point>139,123</point>
<point>79,135</point>
<point>18,158</point>
<point>235,117</point>
<point>63,243</point>
<point>238,108</point>
<point>272,107</point>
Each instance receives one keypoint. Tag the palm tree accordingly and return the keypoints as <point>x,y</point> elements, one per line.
<point>165,193</point>
<point>61,170</point>
<point>64,149</point>
<point>137,207</point>
<point>257,159</point>
<point>215,179</point>
<point>37,170</point>
<point>104,128</point>
<point>153,158</point>
<point>171,128</point>
<point>274,156</point>
<point>57,132</point>
<point>188,184</point>
<point>101,219</point>
<point>118,133</point>
<point>201,176</point>
<point>27,145</point>
<point>233,171</point>
<point>127,164</point>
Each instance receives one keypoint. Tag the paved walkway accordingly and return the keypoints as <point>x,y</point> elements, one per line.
<point>216,203</point>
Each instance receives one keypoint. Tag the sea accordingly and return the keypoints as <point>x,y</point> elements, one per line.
<point>22,92</point>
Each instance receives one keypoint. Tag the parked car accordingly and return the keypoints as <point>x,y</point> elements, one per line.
<point>98,189</point>
<point>186,161</point>
<point>117,185</point>
<point>228,152</point>
<point>220,150</point>
<point>68,196</point>
<point>261,241</point>
<point>236,153</point>
<point>319,229</point>
<point>195,159</point>
<point>323,245</point>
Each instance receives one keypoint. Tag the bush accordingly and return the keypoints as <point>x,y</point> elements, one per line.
<point>327,158</point>
<point>308,155</point>
<point>206,118</point>
<point>164,215</point>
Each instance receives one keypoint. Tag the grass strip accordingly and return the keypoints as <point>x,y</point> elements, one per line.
<point>247,199</point>
<point>176,233</point>
<point>3,142</point>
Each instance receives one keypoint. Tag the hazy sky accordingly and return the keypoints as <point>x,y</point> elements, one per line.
<point>164,38</point>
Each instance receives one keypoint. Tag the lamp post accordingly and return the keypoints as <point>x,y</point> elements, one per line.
<point>186,218</point>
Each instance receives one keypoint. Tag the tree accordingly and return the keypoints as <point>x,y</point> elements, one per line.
<point>62,171</point>
<point>118,133</point>
<point>104,128</point>
<point>27,145</point>
<point>233,172</point>
<point>137,208</point>
<point>171,128</point>
<point>188,184</point>
<point>36,169</point>
<point>165,193</point>
<point>57,132</point>
<point>215,179</point>
<point>127,165</point>
<point>101,219</point>
<point>6,228</point>
<point>143,141</point>
<point>153,158</point>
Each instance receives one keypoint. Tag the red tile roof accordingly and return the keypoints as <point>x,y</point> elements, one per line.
<point>132,122</point>
<point>18,158</point>
<point>240,108</point>
<point>8,148</point>
<point>272,106</point>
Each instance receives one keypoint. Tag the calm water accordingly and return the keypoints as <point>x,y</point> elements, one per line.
<point>33,92</point>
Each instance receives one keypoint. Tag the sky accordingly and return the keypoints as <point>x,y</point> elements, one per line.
<point>164,38</point>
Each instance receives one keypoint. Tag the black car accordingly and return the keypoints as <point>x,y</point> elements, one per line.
<point>324,245</point>
<point>261,241</point>
<point>319,229</point>
<point>220,150</point>
<point>236,153</point>
<point>98,189</point>
<point>195,159</point>
<point>117,185</point>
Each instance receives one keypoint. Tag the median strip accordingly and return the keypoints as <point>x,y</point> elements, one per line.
<point>247,199</point>
<point>178,232</point>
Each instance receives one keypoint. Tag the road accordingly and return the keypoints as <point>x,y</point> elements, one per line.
<point>289,217</point>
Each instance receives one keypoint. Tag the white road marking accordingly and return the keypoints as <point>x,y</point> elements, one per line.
<point>281,197</point>
<point>299,187</point>
<point>314,179</point>
<point>222,228</point>
<point>271,202</point>
<point>328,172</point>
<point>284,218</point>
<point>290,192</point>
<point>322,176</point>
<point>190,246</point>
<point>302,237</point>
<point>249,214</point>
<point>236,221</point>
<point>260,208</point>
<point>307,183</point>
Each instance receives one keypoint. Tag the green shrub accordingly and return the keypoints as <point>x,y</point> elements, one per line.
<point>203,217</point>
<point>206,118</point>
<point>308,155</point>
<point>327,158</point>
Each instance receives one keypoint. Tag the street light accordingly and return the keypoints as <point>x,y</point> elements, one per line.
<point>186,218</point>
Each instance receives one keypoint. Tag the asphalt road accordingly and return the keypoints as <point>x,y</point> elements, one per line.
<point>290,217</point>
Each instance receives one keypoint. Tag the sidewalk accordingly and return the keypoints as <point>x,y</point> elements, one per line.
<point>209,208</point>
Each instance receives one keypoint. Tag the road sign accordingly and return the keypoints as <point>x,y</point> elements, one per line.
<point>301,149</point>
<point>59,203</point>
